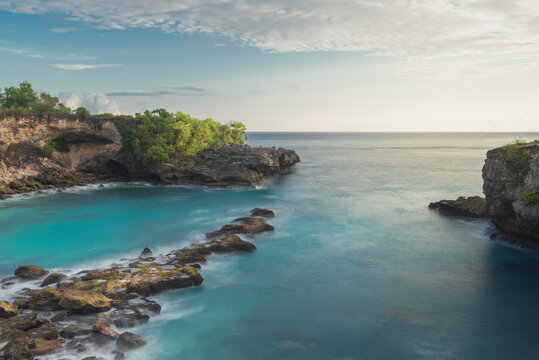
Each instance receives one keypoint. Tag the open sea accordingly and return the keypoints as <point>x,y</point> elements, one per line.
<point>357,268</point>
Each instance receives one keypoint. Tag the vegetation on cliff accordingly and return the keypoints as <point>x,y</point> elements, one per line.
<point>154,137</point>
<point>148,138</point>
<point>518,156</point>
<point>25,100</point>
<point>531,198</point>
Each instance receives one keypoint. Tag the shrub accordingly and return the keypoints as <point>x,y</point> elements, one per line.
<point>58,144</point>
<point>82,112</point>
<point>531,198</point>
<point>518,158</point>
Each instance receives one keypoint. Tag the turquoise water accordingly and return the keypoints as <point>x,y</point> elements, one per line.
<point>358,267</point>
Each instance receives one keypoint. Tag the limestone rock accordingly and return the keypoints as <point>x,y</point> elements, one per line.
<point>85,301</point>
<point>7,310</point>
<point>30,272</point>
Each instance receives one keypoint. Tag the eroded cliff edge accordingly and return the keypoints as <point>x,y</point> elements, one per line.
<point>507,178</point>
<point>51,151</point>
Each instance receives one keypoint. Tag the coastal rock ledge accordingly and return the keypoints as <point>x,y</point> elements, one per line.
<point>90,150</point>
<point>511,188</point>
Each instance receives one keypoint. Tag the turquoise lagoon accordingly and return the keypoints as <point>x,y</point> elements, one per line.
<point>357,268</point>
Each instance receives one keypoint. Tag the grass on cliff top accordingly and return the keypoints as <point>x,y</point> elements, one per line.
<point>518,156</point>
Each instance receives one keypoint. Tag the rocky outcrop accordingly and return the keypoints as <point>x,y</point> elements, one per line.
<point>508,174</point>
<point>30,272</point>
<point>89,150</point>
<point>82,307</point>
<point>231,164</point>
<point>473,206</point>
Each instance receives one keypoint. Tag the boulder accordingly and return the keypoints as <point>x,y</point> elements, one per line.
<point>145,254</point>
<point>53,279</point>
<point>30,272</point>
<point>262,212</point>
<point>245,225</point>
<point>102,327</point>
<point>7,310</point>
<point>473,206</point>
<point>85,301</point>
<point>129,341</point>
<point>47,299</point>
<point>230,243</point>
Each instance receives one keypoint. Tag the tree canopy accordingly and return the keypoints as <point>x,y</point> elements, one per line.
<point>157,136</point>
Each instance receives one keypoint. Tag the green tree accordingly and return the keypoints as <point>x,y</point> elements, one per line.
<point>23,96</point>
<point>82,112</point>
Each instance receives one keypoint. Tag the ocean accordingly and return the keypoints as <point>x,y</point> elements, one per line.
<point>357,268</point>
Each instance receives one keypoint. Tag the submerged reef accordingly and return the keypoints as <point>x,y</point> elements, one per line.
<point>73,314</point>
<point>511,188</point>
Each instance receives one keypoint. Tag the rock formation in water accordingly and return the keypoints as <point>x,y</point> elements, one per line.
<point>54,151</point>
<point>473,206</point>
<point>510,174</point>
<point>76,313</point>
<point>511,188</point>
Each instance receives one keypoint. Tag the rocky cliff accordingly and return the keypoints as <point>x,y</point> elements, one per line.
<point>509,173</point>
<point>50,151</point>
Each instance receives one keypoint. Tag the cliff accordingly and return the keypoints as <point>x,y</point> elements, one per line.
<point>509,173</point>
<point>51,151</point>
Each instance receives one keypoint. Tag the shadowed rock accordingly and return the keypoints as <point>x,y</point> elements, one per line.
<point>53,279</point>
<point>30,272</point>
<point>473,206</point>
<point>129,341</point>
<point>262,213</point>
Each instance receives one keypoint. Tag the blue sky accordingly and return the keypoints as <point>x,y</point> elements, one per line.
<point>312,65</point>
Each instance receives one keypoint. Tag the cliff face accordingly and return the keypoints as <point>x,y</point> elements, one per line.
<point>89,150</point>
<point>504,188</point>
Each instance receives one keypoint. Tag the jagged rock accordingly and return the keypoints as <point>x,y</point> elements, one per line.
<point>53,279</point>
<point>30,272</point>
<point>473,206</point>
<point>231,243</point>
<point>72,330</point>
<point>7,310</point>
<point>24,322</point>
<point>505,181</point>
<point>146,254</point>
<point>102,327</point>
<point>85,301</point>
<point>129,341</point>
<point>247,225</point>
<point>128,319</point>
<point>262,212</point>
<point>47,331</point>
<point>47,299</point>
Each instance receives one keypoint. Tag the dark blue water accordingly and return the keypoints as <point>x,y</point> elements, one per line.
<point>358,267</point>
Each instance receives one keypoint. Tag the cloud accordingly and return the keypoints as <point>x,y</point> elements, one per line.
<point>178,91</point>
<point>63,30</point>
<point>464,32</point>
<point>76,67</point>
<point>96,103</point>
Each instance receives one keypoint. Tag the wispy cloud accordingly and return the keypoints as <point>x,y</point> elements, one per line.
<point>63,30</point>
<point>77,67</point>
<point>174,90</point>
<point>413,31</point>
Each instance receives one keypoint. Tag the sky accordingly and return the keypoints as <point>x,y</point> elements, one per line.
<point>301,65</point>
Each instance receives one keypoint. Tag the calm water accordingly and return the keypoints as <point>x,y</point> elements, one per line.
<point>358,267</point>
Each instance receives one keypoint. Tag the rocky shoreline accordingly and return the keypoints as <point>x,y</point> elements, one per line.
<point>510,175</point>
<point>71,315</point>
<point>93,153</point>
